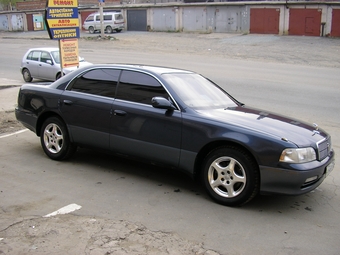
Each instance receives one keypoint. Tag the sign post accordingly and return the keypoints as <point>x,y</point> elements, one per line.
<point>61,17</point>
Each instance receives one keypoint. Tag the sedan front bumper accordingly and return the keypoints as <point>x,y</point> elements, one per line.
<point>298,179</point>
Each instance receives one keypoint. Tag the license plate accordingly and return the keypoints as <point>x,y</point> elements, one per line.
<point>329,168</point>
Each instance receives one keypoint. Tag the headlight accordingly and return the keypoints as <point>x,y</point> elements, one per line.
<point>302,155</point>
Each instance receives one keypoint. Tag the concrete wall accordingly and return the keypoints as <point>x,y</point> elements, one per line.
<point>211,17</point>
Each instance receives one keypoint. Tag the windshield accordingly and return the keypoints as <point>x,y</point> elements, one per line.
<point>198,92</point>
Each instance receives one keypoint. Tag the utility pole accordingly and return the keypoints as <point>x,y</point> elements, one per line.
<point>101,4</point>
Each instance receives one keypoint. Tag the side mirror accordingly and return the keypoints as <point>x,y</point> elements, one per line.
<point>49,61</point>
<point>162,103</point>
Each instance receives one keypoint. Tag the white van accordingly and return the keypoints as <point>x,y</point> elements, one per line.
<point>111,21</point>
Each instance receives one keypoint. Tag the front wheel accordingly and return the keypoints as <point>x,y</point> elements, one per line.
<point>91,30</point>
<point>58,76</point>
<point>55,140</point>
<point>230,176</point>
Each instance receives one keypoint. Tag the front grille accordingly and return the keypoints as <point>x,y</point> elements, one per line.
<point>324,147</point>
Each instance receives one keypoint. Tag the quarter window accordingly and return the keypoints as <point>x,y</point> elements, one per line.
<point>101,82</point>
<point>139,87</point>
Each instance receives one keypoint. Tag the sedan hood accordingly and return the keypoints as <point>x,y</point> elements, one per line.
<point>295,131</point>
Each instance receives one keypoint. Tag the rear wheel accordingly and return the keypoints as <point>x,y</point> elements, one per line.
<point>91,30</point>
<point>108,29</point>
<point>230,176</point>
<point>27,75</point>
<point>55,140</point>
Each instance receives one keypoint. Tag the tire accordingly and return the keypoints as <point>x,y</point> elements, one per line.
<point>108,30</point>
<point>91,30</point>
<point>58,76</point>
<point>55,140</point>
<point>27,75</point>
<point>230,176</point>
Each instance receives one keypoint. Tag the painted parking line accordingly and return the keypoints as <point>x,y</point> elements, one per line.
<point>64,210</point>
<point>15,133</point>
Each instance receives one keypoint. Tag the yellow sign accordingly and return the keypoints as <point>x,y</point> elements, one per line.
<point>62,3</point>
<point>69,52</point>
<point>64,33</point>
<point>63,23</point>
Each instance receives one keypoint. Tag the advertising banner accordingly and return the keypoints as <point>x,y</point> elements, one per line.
<point>62,20</point>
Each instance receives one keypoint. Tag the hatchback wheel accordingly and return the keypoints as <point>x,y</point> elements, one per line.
<point>230,176</point>
<point>27,75</point>
<point>55,140</point>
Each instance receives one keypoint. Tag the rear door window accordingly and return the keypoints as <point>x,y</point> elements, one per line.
<point>34,55</point>
<point>101,82</point>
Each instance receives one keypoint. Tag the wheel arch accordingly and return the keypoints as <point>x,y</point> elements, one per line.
<point>110,29</point>
<point>44,117</point>
<point>57,75</point>
<point>213,145</point>
<point>23,69</point>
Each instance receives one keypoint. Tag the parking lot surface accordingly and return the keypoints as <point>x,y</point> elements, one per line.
<point>74,233</point>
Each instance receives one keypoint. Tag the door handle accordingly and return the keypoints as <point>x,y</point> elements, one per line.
<point>68,102</point>
<point>119,113</point>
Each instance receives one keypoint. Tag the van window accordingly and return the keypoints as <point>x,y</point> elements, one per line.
<point>89,18</point>
<point>119,16</point>
<point>107,17</point>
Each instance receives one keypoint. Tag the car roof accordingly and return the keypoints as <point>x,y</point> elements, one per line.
<point>158,70</point>
<point>45,49</point>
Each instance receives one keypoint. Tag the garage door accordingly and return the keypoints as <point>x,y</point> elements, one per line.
<point>136,20</point>
<point>264,20</point>
<point>335,31</point>
<point>305,22</point>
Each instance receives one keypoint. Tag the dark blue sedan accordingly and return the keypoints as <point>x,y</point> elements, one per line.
<point>178,119</point>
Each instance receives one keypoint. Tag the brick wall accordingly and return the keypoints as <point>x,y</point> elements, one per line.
<point>41,4</point>
<point>95,2</point>
<point>31,5</point>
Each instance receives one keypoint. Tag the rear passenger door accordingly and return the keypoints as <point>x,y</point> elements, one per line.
<point>139,129</point>
<point>86,107</point>
<point>32,63</point>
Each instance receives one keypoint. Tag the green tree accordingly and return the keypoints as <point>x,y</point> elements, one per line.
<point>9,4</point>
